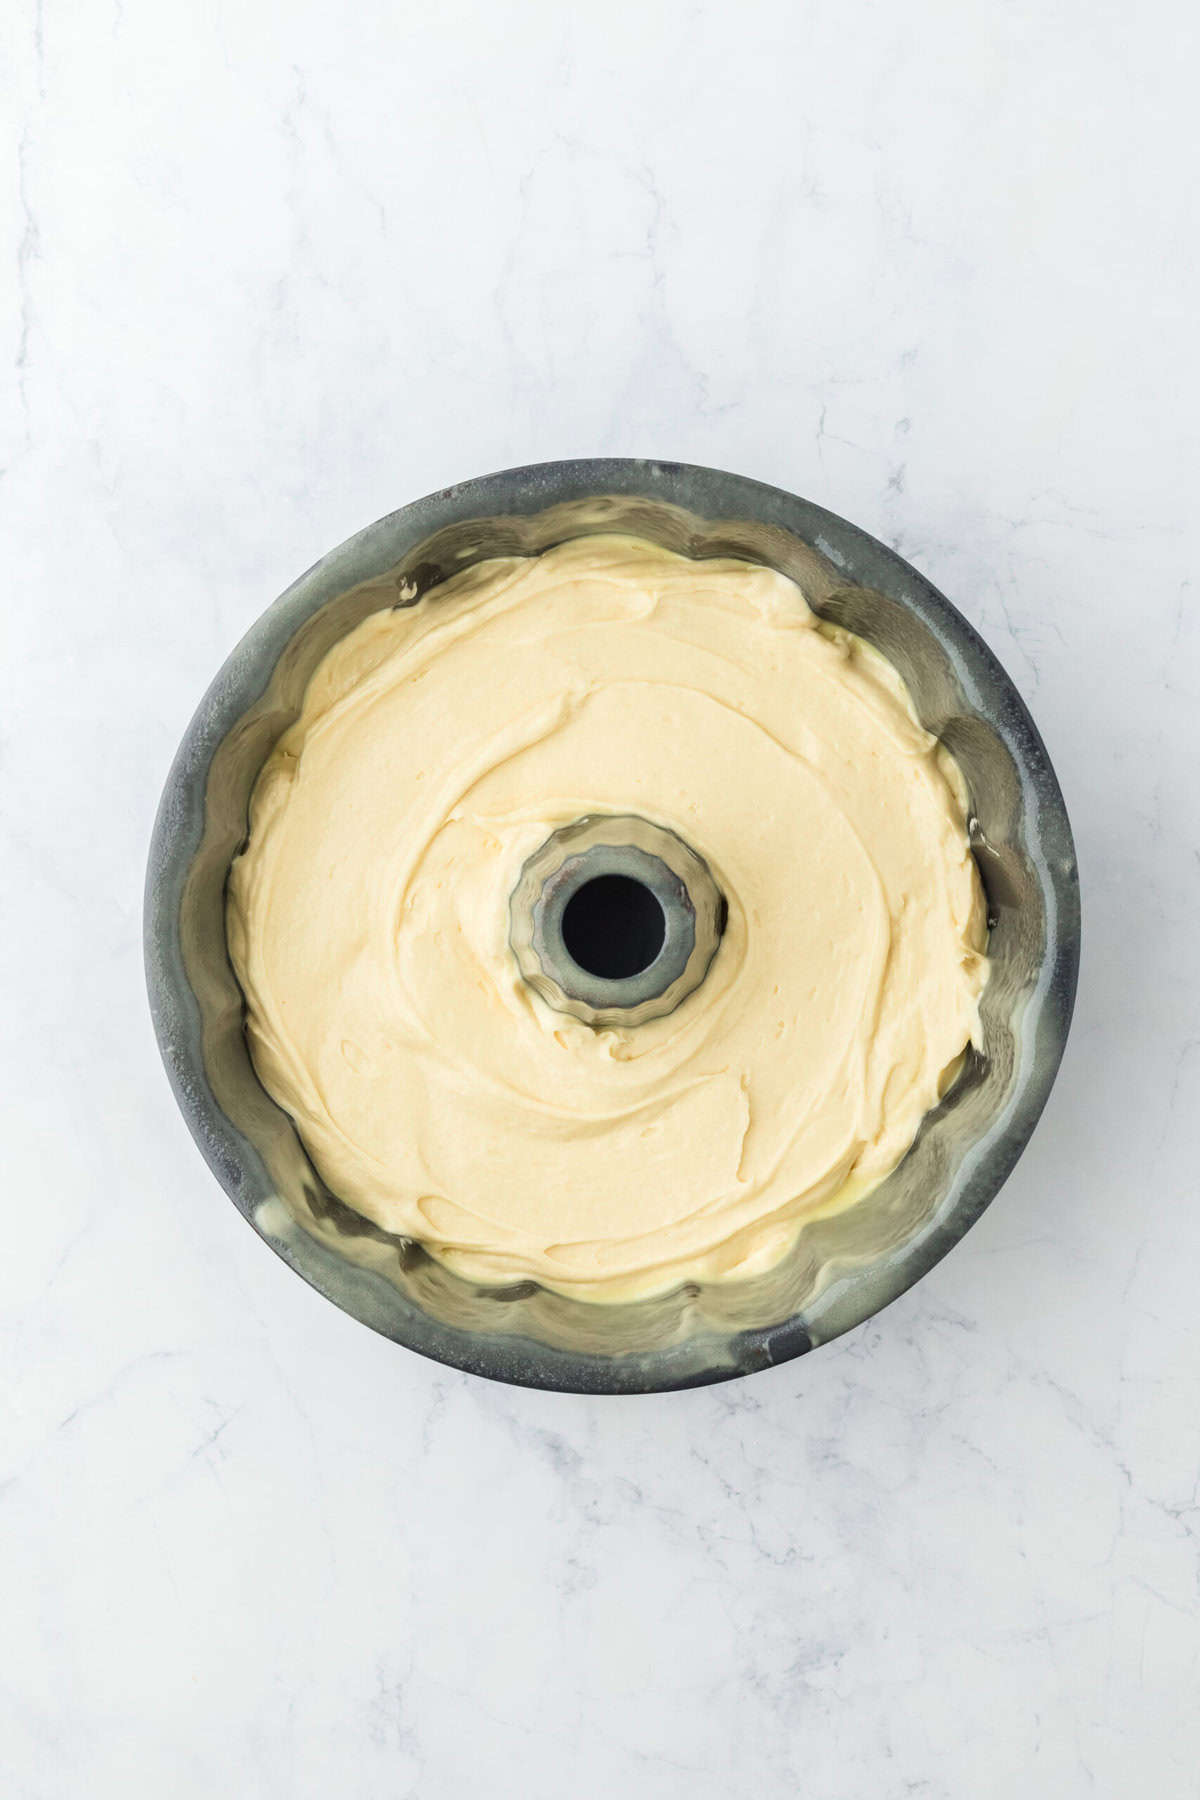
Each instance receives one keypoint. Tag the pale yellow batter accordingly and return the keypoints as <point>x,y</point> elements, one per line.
<point>439,745</point>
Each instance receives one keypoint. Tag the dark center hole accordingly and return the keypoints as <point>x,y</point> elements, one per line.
<point>613,927</point>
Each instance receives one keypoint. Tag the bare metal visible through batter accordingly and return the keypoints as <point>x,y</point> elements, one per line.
<point>438,746</point>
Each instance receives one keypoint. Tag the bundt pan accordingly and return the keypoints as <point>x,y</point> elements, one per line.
<point>842,1269</point>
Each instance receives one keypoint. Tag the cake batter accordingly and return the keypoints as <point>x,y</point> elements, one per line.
<point>438,746</point>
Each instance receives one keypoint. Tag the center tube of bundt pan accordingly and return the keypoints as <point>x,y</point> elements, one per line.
<point>615,920</point>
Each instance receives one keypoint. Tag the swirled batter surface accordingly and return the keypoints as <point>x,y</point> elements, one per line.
<point>438,746</point>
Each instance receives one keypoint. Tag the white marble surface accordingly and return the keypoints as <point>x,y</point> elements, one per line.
<point>273,270</point>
